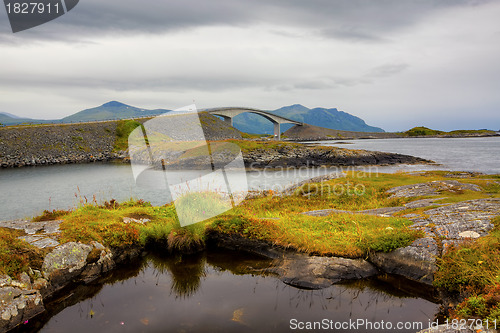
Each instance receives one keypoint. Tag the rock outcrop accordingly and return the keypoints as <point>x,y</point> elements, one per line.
<point>65,265</point>
<point>18,303</point>
<point>298,156</point>
<point>313,272</point>
<point>443,226</point>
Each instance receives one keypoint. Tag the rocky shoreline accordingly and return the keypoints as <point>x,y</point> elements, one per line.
<point>304,156</point>
<point>315,133</point>
<point>293,156</point>
<point>67,265</point>
<point>40,145</point>
<point>94,142</point>
<point>57,144</point>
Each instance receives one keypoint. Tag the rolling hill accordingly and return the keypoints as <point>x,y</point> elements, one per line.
<point>10,119</point>
<point>107,111</point>
<point>111,110</point>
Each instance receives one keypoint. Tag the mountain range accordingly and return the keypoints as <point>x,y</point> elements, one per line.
<point>10,119</point>
<point>327,118</point>
<point>112,110</point>
<point>246,122</point>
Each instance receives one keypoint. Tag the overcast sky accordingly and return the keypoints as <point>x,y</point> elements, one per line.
<point>395,63</point>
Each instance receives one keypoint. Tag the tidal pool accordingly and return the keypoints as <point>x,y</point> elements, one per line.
<point>226,291</point>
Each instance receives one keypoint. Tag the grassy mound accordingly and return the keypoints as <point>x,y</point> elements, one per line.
<point>472,270</point>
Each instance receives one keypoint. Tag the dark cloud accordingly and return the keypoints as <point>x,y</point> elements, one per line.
<point>361,20</point>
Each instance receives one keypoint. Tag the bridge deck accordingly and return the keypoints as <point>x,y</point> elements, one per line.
<point>229,112</point>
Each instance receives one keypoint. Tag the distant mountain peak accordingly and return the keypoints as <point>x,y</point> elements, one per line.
<point>113,104</point>
<point>10,115</point>
<point>320,109</point>
<point>296,107</point>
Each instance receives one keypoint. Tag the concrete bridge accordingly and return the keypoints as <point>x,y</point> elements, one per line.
<point>227,113</point>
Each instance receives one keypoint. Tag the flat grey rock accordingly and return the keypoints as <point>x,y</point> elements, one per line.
<point>40,234</point>
<point>40,241</point>
<point>312,272</point>
<point>416,262</point>
<point>431,188</point>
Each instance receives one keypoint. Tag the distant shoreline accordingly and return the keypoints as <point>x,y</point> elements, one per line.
<point>93,142</point>
<point>393,137</point>
<point>98,141</point>
<point>315,133</point>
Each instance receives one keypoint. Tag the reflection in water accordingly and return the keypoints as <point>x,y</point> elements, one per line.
<point>220,291</point>
<point>186,271</point>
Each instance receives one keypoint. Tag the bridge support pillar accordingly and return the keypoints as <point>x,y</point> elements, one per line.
<point>229,120</point>
<point>277,131</point>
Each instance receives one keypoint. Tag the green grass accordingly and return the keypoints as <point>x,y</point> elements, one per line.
<point>254,136</point>
<point>460,132</point>
<point>343,235</point>
<point>92,223</point>
<point>251,145</point>
<point>474,264</point>
<point>105,224</point>
<point>52,215</point>
<point>338,234</point>
<point>123,130</point>
<point>215,147</point>
<point>423,131</point>
<point>472,270</point>
<point>196,206</point>
<point>16,255</point>
<point>274,218</point>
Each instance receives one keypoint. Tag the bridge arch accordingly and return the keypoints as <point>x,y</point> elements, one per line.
<point>228,113</point>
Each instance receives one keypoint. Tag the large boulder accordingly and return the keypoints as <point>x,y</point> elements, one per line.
<point>416,262</point>
<point>64,263</point>
<point>312,272</point>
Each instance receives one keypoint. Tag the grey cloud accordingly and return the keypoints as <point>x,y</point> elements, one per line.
<point>314,85</point>
<point>327,83</point>
<point>362,20</point>
<point>387,70</point>
<point>351,33</point>
<point>171,83</point>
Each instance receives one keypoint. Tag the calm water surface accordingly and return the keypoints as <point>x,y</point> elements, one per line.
<point>463,154</point>
<point>26,192</point>
<point>214,292</point>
